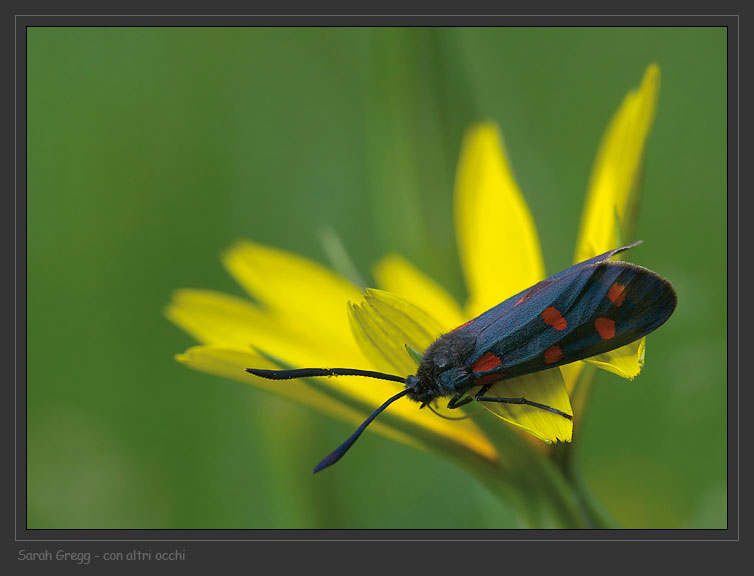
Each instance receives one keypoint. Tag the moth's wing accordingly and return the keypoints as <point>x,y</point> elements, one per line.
<point>592,310</point>
<point>506,307</point>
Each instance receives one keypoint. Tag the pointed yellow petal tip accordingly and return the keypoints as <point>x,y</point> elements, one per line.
<point>649,91</point>
<point>610,210</point>
<point>236,250</point>
<point>651,79</point>
<point>484,131</point>
<point>497,239</point>
<point>626,361</point>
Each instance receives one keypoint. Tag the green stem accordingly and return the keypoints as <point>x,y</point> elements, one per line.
<point>593,512</point>
<point>528,482</point>
<point>563,456</point>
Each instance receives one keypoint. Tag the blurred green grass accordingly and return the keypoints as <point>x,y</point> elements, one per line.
<point>151,149</point>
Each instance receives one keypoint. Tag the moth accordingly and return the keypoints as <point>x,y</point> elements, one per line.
<point>591,308</point>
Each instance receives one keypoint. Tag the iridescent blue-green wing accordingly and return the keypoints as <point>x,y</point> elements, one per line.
<point>506,308</point>
<point>592,309</point>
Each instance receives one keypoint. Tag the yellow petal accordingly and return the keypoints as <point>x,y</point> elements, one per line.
<point>301,292</point>
<point>231,363</point>
<point>499,248</point>
<point>385,323</point>
<point>609,215</point>
<point>626,362</point>
<point>221,319</point>
<point>608,219</point>
<point>376,343</point>
<point>230,322</point>
<point>217,318</point>
<point>571,373</point>
<point>546,387</point>
<point>417,327</point>
<point>397,275</point>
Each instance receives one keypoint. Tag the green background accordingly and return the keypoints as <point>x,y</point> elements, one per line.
<point>151,150</point>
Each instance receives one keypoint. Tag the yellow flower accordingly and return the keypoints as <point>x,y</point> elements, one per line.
<point>304,315</point>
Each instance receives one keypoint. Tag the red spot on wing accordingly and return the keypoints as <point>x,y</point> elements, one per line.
<point>554,318</point>
<point>553,354</point>
<point>488,361</point>
<point>617,294</point>
<point>605,327</point>
<point>489,378</point>
<point>520,300</point>
<point>462,325</point>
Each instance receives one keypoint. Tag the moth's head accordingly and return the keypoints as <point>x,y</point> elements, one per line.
<point>420,388</point>
<point>436,381</point>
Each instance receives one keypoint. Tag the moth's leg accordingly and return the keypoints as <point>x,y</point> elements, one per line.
<point>480,398</point>
<point>483,389</point>
<point>454,401</point>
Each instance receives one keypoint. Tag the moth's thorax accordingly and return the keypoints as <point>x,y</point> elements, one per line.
<point>442,371</point>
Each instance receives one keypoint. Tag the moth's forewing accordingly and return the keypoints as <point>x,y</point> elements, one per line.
<point>505,308</point>
<point>588,309</point>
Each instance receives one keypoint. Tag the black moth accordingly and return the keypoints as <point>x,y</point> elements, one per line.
<point>588,309</point>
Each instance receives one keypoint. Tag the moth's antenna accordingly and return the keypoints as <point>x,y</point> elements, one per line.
<point>338,453</point>
<point>311,372</point>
